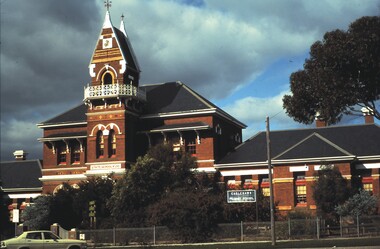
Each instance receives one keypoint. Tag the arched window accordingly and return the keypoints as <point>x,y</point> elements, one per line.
<point>75,154</point>
<point>99,144</point>
<point>112,143</point>
<point>62,154</point>
<point>107,78</point>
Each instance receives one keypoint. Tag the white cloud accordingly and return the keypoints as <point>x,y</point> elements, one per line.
<point>253,112</point>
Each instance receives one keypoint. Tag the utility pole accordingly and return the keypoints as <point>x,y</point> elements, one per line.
<point>271,197</point>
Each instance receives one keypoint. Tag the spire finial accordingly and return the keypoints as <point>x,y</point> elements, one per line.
<point>107,4</point>
<point>122,16</point>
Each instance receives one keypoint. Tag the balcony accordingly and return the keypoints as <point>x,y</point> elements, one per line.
<point>113,91</point>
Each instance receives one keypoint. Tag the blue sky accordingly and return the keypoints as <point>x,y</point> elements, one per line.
<point>238,54</point>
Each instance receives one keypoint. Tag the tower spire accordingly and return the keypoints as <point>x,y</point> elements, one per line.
<point>107,4</point>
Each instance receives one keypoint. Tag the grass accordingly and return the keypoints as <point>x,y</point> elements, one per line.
<point>338,242</point>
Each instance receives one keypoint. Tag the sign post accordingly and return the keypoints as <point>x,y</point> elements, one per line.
<point>241,196</point>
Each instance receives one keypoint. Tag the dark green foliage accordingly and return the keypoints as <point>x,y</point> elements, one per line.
<point>97,189</point>
<point>329,191</point>
<point>341,76</point>
<point>62,211</point>
<point>192,215</point>
<point>37,216</point>
<point>362,203</point>
<point>158,172</point>
<point>237,212</point>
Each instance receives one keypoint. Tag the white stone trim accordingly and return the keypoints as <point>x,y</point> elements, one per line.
<point>245,172</point>
<point>299,168</point>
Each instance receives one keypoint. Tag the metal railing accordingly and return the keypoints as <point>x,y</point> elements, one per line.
<point>112,91</point>
<point>309,228</point>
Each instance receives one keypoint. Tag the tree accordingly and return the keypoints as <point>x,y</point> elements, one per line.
<point>98,189</point>
<point>37,216</point>
<point>362,203</point>
<point>62,211</point>
<point>191,214</point>
<point>341,76</point>
<point>329,191</point>
<point>154,174</point>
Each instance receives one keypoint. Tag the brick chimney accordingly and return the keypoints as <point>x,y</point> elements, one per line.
<point>20,155</point>
<point>319,121</point>
<point>368,115</point>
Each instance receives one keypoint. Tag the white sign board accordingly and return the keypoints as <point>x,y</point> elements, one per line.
<point>16,216</point>
<point>241,196</point>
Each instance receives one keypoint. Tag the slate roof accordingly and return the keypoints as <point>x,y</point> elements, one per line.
<point>170,97</point>
<point>20,174</point>
<point>308,144</point>
<point>74,115</point>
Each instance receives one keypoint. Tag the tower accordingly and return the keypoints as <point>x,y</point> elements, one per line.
<point>114,100</point>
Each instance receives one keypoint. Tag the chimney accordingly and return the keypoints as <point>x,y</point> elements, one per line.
<point>20,155</point>
<point>319,121</point>
<point>368,115</point>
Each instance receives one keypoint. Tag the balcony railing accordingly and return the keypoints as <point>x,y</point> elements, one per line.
<point>113,91</point>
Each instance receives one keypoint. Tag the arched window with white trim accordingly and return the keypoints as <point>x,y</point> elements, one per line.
<point>112,143</point>
<point>99,144</point>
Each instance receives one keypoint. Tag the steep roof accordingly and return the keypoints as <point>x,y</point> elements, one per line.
<point>20,174</point>
<point>167,98</point>
<point>74,115</point>
<point>309,144</point>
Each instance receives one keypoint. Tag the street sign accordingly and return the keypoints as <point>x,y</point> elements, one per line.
<point>241,196</point>
<point>16,216</point>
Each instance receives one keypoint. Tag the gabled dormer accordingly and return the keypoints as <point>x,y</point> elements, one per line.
<point>113,68</point>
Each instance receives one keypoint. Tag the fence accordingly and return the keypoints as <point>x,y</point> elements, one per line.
<point>310,228</point>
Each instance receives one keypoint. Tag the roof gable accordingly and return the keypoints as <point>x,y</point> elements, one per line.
<point>342,141</point>
<point>313,146</point>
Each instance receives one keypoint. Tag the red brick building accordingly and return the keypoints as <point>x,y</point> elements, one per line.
<point>298,154</point>
<point>119,120</point>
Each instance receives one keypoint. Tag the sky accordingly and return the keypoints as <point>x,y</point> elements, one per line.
<point>238,54</point>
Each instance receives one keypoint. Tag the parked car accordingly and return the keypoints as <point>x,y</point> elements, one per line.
<point>42,240</point>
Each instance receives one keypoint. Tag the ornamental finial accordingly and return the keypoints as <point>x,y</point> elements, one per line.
<point>107,4</point>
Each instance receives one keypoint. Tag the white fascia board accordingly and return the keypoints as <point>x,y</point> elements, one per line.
<point>105,172</point>
<point>240,165</point>
<point>24,196</point>
<point>62,177</point>
<point>369,158</point>
<point>13,190</point>
<point>245,172</point>
<point>60,124</point>
<point>368,166</point>
<point>315,159</point>
<point>179,114</point>
<point>299,168</point>
<point>203,127</point>
<point>204,169</point>
<point>104,163</point>
<point>63,169</point>
<point>50,139</point>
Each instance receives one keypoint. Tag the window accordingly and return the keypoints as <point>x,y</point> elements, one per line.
<point>99,144</point>
<point>107,78</point>
<point>301,194</point>
<point>112,143</point>
<point>368,187</point>
<point>75,154</point>
<point>264,185</point>
<point>36,235</point>
<point>62,155</point>
<point>265,191</point>
<point>190,143</point>
<point>300,188</point>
